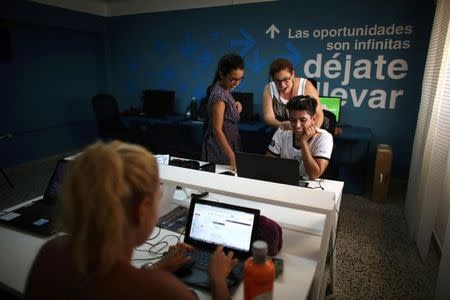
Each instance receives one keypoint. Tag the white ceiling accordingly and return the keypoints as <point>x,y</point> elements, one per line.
<point>108,8</point>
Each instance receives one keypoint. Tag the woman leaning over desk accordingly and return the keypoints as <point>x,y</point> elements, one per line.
<point>110,202</point>
<point>284,86</point>
<point>221,139</point>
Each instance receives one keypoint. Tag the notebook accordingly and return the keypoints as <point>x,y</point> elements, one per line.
<point>211,224</point>
<point>268,168</point>
<point>38,217</point>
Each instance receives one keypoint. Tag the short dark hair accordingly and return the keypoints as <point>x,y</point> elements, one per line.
<point>280,64</point>
<point>307,103</point>
<point>228,63</point>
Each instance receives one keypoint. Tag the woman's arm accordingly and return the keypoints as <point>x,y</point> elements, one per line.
<point>313,166</point>
<point>310,90</point>
<point>218,111</point>
<point>268,113</point>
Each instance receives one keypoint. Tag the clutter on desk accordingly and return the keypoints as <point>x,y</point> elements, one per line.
<point>270,232</point>
<point>175,220</point>
<point>162,159</point>
<point>131,111</point>
<point>189,164</point>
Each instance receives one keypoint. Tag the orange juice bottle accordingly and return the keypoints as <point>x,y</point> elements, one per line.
<point>259,274</point>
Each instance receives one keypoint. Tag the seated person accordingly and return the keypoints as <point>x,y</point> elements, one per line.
<point>310,145</point>
<point>110,205</point>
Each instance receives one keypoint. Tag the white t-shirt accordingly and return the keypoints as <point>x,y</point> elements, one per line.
<point>321,146</point>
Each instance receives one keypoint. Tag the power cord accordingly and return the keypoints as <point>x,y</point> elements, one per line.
<point>161,245</point>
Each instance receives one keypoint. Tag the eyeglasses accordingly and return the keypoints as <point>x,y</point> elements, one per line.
<point>234,80</point>
<point>280,81</point>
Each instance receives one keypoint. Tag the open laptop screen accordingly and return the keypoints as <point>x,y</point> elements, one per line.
<point>212,223</point>
<point>267,168</point>
<point>54,187</point>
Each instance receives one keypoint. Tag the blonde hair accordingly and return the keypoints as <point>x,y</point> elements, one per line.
<point>100,187</point>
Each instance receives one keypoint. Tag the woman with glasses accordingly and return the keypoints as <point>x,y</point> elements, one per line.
<point>221,139</point>
<point>283,87</point>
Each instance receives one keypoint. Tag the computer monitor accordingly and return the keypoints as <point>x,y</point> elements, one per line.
<point>158,103</point>
<point>246,99</point>
<point>332,104</point>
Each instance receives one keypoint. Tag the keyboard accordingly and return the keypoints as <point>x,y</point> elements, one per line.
<point>201,261</point>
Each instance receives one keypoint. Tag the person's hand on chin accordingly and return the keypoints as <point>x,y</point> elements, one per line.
<point>308,133</point>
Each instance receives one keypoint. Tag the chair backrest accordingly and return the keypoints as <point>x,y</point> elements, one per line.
<point>107,114</point>
<point>329,121</point>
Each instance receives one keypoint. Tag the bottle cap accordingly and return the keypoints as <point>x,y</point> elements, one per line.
<point>259,249</point>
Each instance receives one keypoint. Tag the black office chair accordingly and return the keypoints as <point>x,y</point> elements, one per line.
<point>329,124</point>
<point>5,137</point>
<point>107,115</point>
<point>329,121</point>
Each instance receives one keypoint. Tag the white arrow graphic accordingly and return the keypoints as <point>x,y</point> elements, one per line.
<point>272,30</point>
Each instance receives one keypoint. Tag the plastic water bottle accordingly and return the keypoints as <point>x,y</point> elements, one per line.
<point>194,109</point>
<point>259,274</point>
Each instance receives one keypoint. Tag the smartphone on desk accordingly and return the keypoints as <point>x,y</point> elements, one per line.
<point>228,173</point>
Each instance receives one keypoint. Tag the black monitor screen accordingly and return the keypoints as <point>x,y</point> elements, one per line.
<point>332,104</point>
<point>158,103</point>
<point>5,42</point>
<point>246,100</point>
<point>54,187</point>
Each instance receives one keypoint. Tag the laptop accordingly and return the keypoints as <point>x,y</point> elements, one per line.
<point>211,224</point>
<point>268,168</point>
<point>39,217</point>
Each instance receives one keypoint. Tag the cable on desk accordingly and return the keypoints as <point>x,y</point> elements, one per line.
<point>154,237</point>
<point>317,187</point>
<point>161,243</point>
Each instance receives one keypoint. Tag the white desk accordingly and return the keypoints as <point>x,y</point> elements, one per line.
<point>293,283</point>
<point>307,218</point>
<point>17,255</point>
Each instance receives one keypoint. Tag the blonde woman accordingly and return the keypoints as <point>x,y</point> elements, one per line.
<point>110,204</point>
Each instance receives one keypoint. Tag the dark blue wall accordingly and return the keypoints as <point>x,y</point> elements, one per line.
<point>61,58</point>
<point>58,63</point>
<point>179,51</point>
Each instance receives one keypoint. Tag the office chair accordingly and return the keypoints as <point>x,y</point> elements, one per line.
<point>329,124</point>
<point>5,137</point>
<point>329,121</point>
<point>107,115</point>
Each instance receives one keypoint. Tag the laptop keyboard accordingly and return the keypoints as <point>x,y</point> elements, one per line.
<point>201,261</point>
